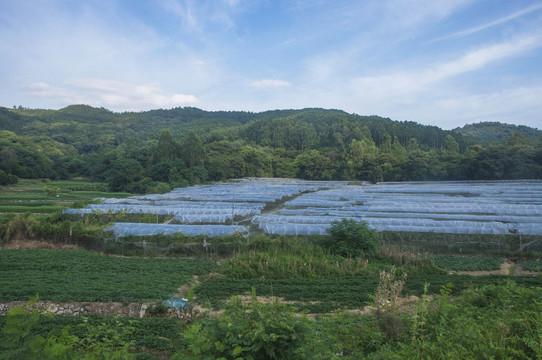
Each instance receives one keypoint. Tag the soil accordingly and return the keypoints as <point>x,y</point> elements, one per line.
<point>37,245</point>
<point>508,267</point>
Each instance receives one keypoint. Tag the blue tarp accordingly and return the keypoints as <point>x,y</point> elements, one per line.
<point>177,304</point>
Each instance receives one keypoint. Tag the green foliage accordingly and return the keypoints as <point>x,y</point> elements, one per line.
<point>312,165</point>
<point>280,263</point>
<point>328,294</point>
<point>7,179</point>
<point>352,238</point>
<point>185,146</point>
<point>467,263</point>
<point>316,295</point>
<point>16,341</point>
<point>531,265</point>
<point>253,331</point>
<point>105,340</point>
<point>19,227</point>
<point>494,131</point>
<point>51,191</point>
<point>26,272</point>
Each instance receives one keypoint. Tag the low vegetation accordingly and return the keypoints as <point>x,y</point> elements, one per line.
<point>468,263</point>
<point>346,296</point>
<point>65,275</point>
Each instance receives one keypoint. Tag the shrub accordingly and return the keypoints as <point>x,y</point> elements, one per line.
<point>20,227</point>
<point>254,331</point>
<point>352,238</point>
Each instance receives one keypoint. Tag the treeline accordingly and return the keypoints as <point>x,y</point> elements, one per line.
<point>161,149</point>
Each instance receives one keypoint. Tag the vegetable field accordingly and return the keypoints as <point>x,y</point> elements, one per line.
<point>468,263</point>
<point>325,295</point>
<point>84,276</point>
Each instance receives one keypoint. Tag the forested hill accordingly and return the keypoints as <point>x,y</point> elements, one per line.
<point>89,129</point>
<point>495,131</point>
<point>158,149</point>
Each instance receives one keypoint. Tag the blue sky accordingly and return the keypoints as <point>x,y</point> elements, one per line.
<point>440,62</point>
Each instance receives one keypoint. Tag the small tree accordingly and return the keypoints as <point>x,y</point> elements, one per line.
<point>255,331</point>
<point>352,238</point>
<point>51,191</point>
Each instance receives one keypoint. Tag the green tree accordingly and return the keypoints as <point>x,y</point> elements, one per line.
<point>450,145</point>
<point>166,148</point>
<point>352,238</point>
<point>360,159</point>
<point>193,153</point>
<point>122,172</point>
<point>313,166</point>
<point>257,162</point>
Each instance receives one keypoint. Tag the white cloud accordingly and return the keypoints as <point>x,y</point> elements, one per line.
<point>408,84</point>
<point>114,95</point>
<point>270,83</point>
<point>414,13</point>
<point>496,106</point>
<point>502,20</point>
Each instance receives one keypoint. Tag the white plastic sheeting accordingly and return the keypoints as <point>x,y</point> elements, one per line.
<point>467,207</point>
<point>141,229</point>
<point>501,207</point>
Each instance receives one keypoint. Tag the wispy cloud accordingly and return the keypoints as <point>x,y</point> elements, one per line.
<point>368,56</point>
<point>114,95</point>
<point>186,11</point>
<point>489,106</point>
<point>408,14</point>
<point>407,83</point>
<point>269,83</point>
<point>490,24</point>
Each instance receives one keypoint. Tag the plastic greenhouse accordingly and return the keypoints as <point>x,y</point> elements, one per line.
<point>296,207</point>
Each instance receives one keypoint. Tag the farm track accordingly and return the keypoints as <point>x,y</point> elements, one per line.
<point>508,267</point>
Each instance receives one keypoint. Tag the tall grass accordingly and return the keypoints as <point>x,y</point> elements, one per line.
<point>279,263</point>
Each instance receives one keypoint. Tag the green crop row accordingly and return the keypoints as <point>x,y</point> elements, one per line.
<point>323,295</point>
<point>85,276</point>
<point>531,265</point>
<point>468,263</point>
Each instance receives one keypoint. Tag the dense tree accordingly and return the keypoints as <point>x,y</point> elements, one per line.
<point>312,165</point>
<point>192,152</point>
<point>184,146</point>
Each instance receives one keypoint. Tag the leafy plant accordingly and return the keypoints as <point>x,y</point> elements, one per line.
<point>26,272</point>
<point>468,263</point>
<point>253,331</point>
<point>352,238</point>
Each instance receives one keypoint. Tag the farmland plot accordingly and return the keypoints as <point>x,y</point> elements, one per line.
<point>296,207</point>
<point>61,275</point>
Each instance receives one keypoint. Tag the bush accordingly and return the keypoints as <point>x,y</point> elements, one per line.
<point>20,227</point>
<point>352,238</point>
<point>254,331</point>
<point>7,179</point>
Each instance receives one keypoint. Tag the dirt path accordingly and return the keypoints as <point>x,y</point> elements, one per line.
<point>508,267</point>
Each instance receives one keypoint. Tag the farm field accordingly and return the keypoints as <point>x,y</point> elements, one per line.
<point>85,276</point>
<point>295,207</point>
<point>466,263</point>
<point>30,195</point>
<point>296,270</point>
